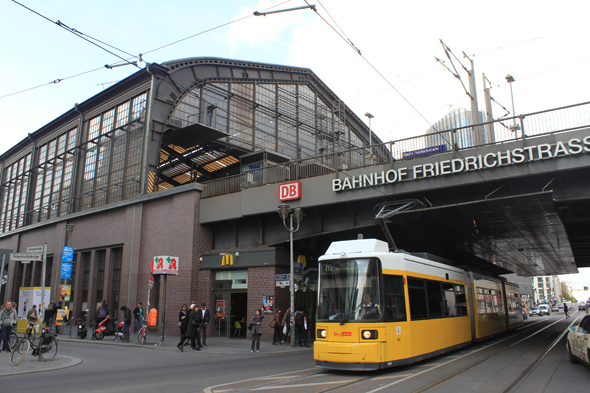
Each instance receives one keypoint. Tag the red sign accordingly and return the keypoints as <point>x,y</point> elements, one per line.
<point>151,282</point>
<point>289,191</point>
<point>164,265</point>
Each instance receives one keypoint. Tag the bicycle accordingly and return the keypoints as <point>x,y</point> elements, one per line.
<point>46,349</point>
<point>13,339</point>
<point>143,333</point>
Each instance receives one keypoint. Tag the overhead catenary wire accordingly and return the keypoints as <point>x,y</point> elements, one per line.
<point>140,57</point>
<point>77,34</point>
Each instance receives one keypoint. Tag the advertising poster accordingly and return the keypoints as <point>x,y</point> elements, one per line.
<point>267,303</point>
<point>61,316</point>
<point>220,308</point>
<point>27,296</point>
<point>65,292</point>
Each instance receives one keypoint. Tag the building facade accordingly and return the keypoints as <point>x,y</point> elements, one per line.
<point>120,178</point>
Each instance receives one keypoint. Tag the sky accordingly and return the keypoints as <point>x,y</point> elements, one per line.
<point>545,47</point>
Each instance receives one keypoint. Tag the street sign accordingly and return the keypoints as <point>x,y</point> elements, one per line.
<point>35,249</point>
<point>298,265</point>
<point>281,277</point>
<point>298,271</point>
<point>282,283</point>
<point>151,282</point>
<point>297,277</point>
<point>29,256</point>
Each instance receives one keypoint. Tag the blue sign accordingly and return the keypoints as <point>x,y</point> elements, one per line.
<point>424,152</point>
<point>298,271</point>
<point>66,271</point>
<point>298,265</point>
<point>68,255</point>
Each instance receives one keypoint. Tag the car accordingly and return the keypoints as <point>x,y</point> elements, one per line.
<point>554,309</point>
<point>560,305</point>
<point>534,311</point>
<point>578,339</point>
<point>581,307</point>
<point>544,310</point>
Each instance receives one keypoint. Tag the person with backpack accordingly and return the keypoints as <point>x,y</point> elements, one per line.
<point>101,312</point>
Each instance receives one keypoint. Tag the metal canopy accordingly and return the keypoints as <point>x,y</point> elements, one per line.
<point>195,134</point>
<point>521,234</point>
<point>194,153</point>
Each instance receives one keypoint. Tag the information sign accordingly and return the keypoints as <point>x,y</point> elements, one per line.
<point>280,277</point>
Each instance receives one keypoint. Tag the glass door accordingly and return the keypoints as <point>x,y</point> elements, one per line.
<point>221,318</point>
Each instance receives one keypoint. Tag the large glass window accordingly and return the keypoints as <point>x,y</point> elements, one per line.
<point>395,299</point>
<point>349,290</point>
<point>13,202</point>
<point>434,299</point>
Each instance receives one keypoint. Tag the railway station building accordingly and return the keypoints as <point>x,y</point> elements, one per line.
<point>121,178</point>
<point>191,158</point>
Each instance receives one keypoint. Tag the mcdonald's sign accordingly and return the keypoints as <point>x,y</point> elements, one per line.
<point>227,260</point>
<point>301,259</point>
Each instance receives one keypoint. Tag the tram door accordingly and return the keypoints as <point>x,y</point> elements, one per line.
<point>230,319</point>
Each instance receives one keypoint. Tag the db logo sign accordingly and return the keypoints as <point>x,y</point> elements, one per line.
<point>289,191</point>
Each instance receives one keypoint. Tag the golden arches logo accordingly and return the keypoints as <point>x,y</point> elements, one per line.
<point>227,260</point>
<point>301,259</point>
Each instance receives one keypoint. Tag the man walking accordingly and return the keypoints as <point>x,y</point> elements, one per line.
<point>138,317</point>
<point>206,315</point>
<point>565,309</point>
<point>7,319</point>
<point>50,312</point>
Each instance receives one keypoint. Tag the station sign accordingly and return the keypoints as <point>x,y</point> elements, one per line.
<point>289,191</point>
<point>298,265</point>
<point>28,256</point>
<point>282,277</point>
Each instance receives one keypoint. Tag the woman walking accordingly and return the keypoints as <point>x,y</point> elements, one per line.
<point>192,330</point>
<point>183,319</point>
<point>256,331</point>
<point>276,324</point>
<point>287,321</point>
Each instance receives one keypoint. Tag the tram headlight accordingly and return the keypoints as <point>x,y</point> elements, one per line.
<point>370,334</point>
<point>322,333</point>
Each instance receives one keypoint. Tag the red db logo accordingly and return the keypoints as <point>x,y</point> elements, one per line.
<point>289,191</point>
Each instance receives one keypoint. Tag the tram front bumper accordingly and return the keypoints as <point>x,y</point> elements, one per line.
<point>348,356</point>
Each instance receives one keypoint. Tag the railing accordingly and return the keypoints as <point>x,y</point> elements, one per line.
<point>510,129</point>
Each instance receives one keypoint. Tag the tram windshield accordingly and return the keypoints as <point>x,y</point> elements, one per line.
<point>349,290</point>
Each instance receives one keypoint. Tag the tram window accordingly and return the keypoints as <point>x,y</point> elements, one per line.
<point>394,299</point>
<point>436,303</point>
<point>417,293</point>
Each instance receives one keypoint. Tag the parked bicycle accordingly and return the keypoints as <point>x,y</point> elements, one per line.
<point>46,348</point>
<point>13,339</point>
<point>143,333</point>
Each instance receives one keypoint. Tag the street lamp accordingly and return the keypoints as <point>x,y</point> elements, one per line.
<point>370,116</point>
<point>509,78</point>
<point>296,214</point>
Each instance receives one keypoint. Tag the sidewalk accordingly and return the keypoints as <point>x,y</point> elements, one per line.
<point>216,345</point>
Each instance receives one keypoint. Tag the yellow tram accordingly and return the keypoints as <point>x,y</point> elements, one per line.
<point>380,309</point>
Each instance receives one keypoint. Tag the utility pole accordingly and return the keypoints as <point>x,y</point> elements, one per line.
<point>489,133</point>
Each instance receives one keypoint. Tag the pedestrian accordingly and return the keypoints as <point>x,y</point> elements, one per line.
<point>206,317</point>
<point>256,331</point>
<point>50,312</point>
<point>565,309</point>
<point>101,312</point>
<point>192,330</point>
<point>7,319</point>
<point>138,317</point>
<point>276,325</point>
<point>287,326</point>
<point>183,319</point>
<point>301,326</point>
<point>127,323</point>
<point>32,319</point>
